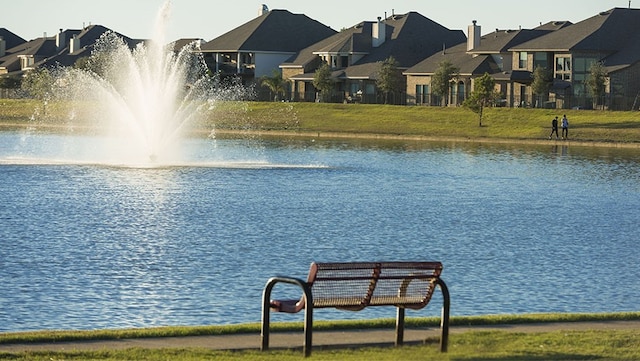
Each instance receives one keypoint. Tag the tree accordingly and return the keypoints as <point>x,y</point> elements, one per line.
<point>483,95</point>
<point>10,81</point>
<point>441,79</point>
<point>390,79</point>
<point>275,83</point>
<point>322,80</point>
<point>38,83</point>
<point>596,82</point>
<point>542,80</point>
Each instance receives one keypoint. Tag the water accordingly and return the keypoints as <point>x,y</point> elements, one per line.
<point>88,245</point>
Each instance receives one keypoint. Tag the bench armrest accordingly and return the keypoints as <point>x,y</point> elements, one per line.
<point>307,305</point>
<point>288,306</point>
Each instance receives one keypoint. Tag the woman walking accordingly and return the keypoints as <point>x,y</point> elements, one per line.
<point>565,127</point>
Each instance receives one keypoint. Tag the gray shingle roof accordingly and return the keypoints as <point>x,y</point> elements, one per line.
<point>11,39</point>
<point>608,31</point>
<point>275,31</point>
<point>458,56</point>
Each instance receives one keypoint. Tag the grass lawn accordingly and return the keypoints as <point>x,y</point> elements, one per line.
<point>473,345</point>
<point>499,124</point>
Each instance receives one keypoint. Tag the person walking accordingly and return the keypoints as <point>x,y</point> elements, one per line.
<point>565,127</point>
<point>554,127</point>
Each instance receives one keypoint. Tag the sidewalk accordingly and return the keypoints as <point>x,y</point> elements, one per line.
<point>321,339</point>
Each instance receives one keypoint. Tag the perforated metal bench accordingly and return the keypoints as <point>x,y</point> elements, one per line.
<point>354,286</point>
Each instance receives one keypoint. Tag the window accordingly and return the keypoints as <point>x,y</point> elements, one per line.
<point>522,64</point>
<point>422,94</point>
<point>344,61</point>
<point>563,67</point>
<point>540,59</point>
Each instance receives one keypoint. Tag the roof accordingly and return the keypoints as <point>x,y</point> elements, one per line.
<point>179,44</point>
<point>11,39</point>
<point>459,58</point>
<point>608,31</point>
<point>274,31</point>
<point>410,38</point>
<point>479,60</point>
<point>46,52</point>
<point>500,41</point>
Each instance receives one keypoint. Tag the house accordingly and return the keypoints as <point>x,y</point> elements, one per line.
<point>63,49</point>
<point>480,54</point>
<point>256,48</point>
<point>354,55</point>
<point>610,37</point>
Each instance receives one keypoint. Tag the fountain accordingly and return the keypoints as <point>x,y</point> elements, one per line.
<point>143,98</point>
<point>132,107</point>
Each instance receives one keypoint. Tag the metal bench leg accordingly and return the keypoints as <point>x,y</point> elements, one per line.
<point>266,308</point>
<point>400,326</point>
<point>444,322</point>
<point>308,330</point>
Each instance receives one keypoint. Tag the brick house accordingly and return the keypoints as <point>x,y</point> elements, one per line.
<point>610,37</point>
<point>354,55</point>
<point>489,53</point>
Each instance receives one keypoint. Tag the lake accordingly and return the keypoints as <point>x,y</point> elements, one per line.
<point>520,229</point>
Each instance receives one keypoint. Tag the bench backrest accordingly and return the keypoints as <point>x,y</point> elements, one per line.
<point>354,286</point>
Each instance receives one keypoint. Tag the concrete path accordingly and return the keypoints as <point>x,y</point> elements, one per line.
<point>321,339</point>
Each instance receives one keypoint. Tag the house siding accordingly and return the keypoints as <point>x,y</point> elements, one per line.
<point>624,88</point>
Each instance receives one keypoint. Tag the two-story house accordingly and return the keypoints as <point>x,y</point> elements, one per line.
<point>258,47</point>
<point>610,37</point>
<point>480,54</point>
<point>355,55</point>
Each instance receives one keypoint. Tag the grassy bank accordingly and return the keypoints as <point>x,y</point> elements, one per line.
<point>477,346</point>
<point>366,120</point>
<point>182,331</point>
<point>473,345</point>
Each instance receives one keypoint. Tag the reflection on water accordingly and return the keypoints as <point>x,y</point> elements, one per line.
<point>519,229</point>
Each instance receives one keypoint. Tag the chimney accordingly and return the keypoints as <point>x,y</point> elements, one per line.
<point>473,36</point>
<point>378,33</point>
<point>3,47</point>
<point>61,41</point>
<point>74,44</point>
<point>263,9</point>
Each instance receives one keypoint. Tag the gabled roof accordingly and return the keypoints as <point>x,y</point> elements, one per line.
<point>39,49</point>
<point>46,52</point>
<point>500,41</point>
<point>274,31</point>
<point>11,39</point>
<point>179,44</point>
<point>466,63</point>
<point>412,37</point>
<point>88,37</point>
<point>608,31</point>
<point>409,38</point>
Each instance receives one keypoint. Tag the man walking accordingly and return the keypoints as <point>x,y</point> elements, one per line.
<point>554,127</point>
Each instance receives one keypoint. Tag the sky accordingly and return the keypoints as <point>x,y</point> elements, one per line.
<point>208,19</point>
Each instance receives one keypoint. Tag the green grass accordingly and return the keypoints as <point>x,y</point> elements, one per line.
<point>416,322</point>
<point>494,345</point>
<point>501,124</point>
<point>473,345</point>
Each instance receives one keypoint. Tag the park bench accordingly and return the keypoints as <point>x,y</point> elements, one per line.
<point>355,285</point>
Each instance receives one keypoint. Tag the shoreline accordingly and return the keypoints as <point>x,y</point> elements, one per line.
<point>425,138</point>
<point>66,128</point>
